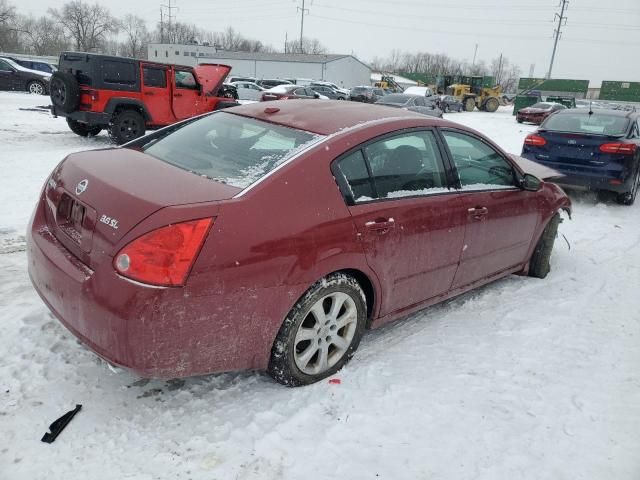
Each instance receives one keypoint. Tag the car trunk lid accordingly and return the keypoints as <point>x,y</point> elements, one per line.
<point>94,198</point>
<point>574,151</point>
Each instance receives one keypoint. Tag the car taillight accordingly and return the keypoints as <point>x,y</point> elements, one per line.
<point>619,148</point>
<point>535,140</point>
<point>164,256</point>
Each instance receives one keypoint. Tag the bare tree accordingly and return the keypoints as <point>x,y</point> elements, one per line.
<point>88,25</point>
<point>309,45</point>
<point>9,34</point>
<point>43,36</point>
<point>136,36</point>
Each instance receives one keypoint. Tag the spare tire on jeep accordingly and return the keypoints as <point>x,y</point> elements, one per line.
<point>65,91</point>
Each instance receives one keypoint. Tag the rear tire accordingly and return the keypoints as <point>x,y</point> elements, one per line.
<point>126,125</point>
<point>629,198</point>
<point>36,87</point>
<point>469,104</point>
<point>65,91</point>
<point>539,266</point>
<point>83,129</point>
<point>321,333</point>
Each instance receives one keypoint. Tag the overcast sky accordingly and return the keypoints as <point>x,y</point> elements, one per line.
<point>597,43</point>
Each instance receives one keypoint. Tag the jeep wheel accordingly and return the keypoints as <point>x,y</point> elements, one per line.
<point>83,129</point>
<point>126,125</point>
<point>36,87</point>
<point>65,92</point>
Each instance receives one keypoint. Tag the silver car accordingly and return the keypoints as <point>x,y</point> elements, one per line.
<point>248,90</point>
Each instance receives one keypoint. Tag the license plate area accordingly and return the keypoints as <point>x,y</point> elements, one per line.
<point>76,221</point>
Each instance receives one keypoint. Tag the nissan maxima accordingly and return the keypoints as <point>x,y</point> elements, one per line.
<point>273,237</point>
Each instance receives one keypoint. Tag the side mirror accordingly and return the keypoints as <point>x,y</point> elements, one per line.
<point>530,182</point>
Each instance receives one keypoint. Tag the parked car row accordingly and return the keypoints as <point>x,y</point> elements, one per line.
<point>14,75</point>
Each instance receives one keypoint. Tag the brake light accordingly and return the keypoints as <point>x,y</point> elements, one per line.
<point>164,256</point>
<point>619,148</point>
<point>535,140</point>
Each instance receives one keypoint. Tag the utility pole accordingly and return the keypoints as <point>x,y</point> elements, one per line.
<point>562,21</point>
<point>302,10</point>
<point>169,17</point>
<point>475,52</point>
<point>161,27</point>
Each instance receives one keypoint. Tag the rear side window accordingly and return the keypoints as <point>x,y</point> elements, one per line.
<point>595,124</point>
<point>122,73</point>
<point>231,149</point>
<point>479,166</point>
<point>407,165</point>
<point>354,170</point>
<point>154,77</point>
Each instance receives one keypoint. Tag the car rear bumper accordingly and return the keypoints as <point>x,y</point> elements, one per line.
<point>90,118</point>
<point>586,180</point>
<point>530,118</point>
<point>153,331</point>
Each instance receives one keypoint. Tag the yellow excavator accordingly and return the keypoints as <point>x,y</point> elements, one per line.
<point>476,96</point>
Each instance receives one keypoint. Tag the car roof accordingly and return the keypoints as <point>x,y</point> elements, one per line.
<point>329,117</point>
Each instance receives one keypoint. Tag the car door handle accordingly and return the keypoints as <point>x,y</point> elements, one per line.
<point>380,225</point>
<point>177,94</point>
<point>478,212</point>
<point>148,93</point>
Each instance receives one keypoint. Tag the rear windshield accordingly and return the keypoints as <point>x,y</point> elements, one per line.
<point>231,149</point>
<point>543,106</point>
<point>394,98</point>
<point>595,124</point>
<point>360,90</point>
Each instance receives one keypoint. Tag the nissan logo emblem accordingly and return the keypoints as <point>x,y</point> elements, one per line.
<point>82,186</point>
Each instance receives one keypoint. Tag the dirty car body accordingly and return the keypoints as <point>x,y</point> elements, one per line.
<point>414,230</point>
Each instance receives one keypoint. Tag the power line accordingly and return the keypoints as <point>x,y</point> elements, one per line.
<point>558,31</point>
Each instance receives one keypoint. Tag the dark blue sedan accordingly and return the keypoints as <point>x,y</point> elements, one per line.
<point>594,150</point>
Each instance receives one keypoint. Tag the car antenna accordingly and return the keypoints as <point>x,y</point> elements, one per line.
<point>590,109</point>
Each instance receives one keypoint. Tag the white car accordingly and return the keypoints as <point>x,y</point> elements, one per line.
<point>422,91</point>
<point>248,90</point>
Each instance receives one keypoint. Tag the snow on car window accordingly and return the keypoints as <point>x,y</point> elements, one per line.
<point>281,88</point>
<point>231,149</point>
<point>596,123</point>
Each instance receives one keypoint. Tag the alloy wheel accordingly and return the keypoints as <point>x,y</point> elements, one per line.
<point>326,333</point>
<point>36,88</point>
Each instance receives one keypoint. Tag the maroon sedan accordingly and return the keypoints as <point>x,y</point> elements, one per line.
<point>274,237</point>
<point>537,112</point>
<point>289,92</point>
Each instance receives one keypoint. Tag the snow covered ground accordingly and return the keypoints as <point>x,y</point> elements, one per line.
<point>523,379</point>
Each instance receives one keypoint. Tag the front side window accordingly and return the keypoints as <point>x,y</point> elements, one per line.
<point>407,165</point>
<point>5,67</point>
<point>479,166</point>
<point>185,80</point>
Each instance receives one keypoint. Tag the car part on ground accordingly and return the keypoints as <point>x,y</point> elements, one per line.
<point>226,230</point>
<point>129,96</point>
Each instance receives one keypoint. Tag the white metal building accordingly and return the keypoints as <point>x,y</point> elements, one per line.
<point>343,70</point>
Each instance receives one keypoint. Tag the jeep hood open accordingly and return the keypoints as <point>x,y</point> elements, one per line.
<point>211,76</point>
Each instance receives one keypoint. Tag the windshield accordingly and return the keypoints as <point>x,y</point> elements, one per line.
<point>231,149</point>
<point>595,124</point>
